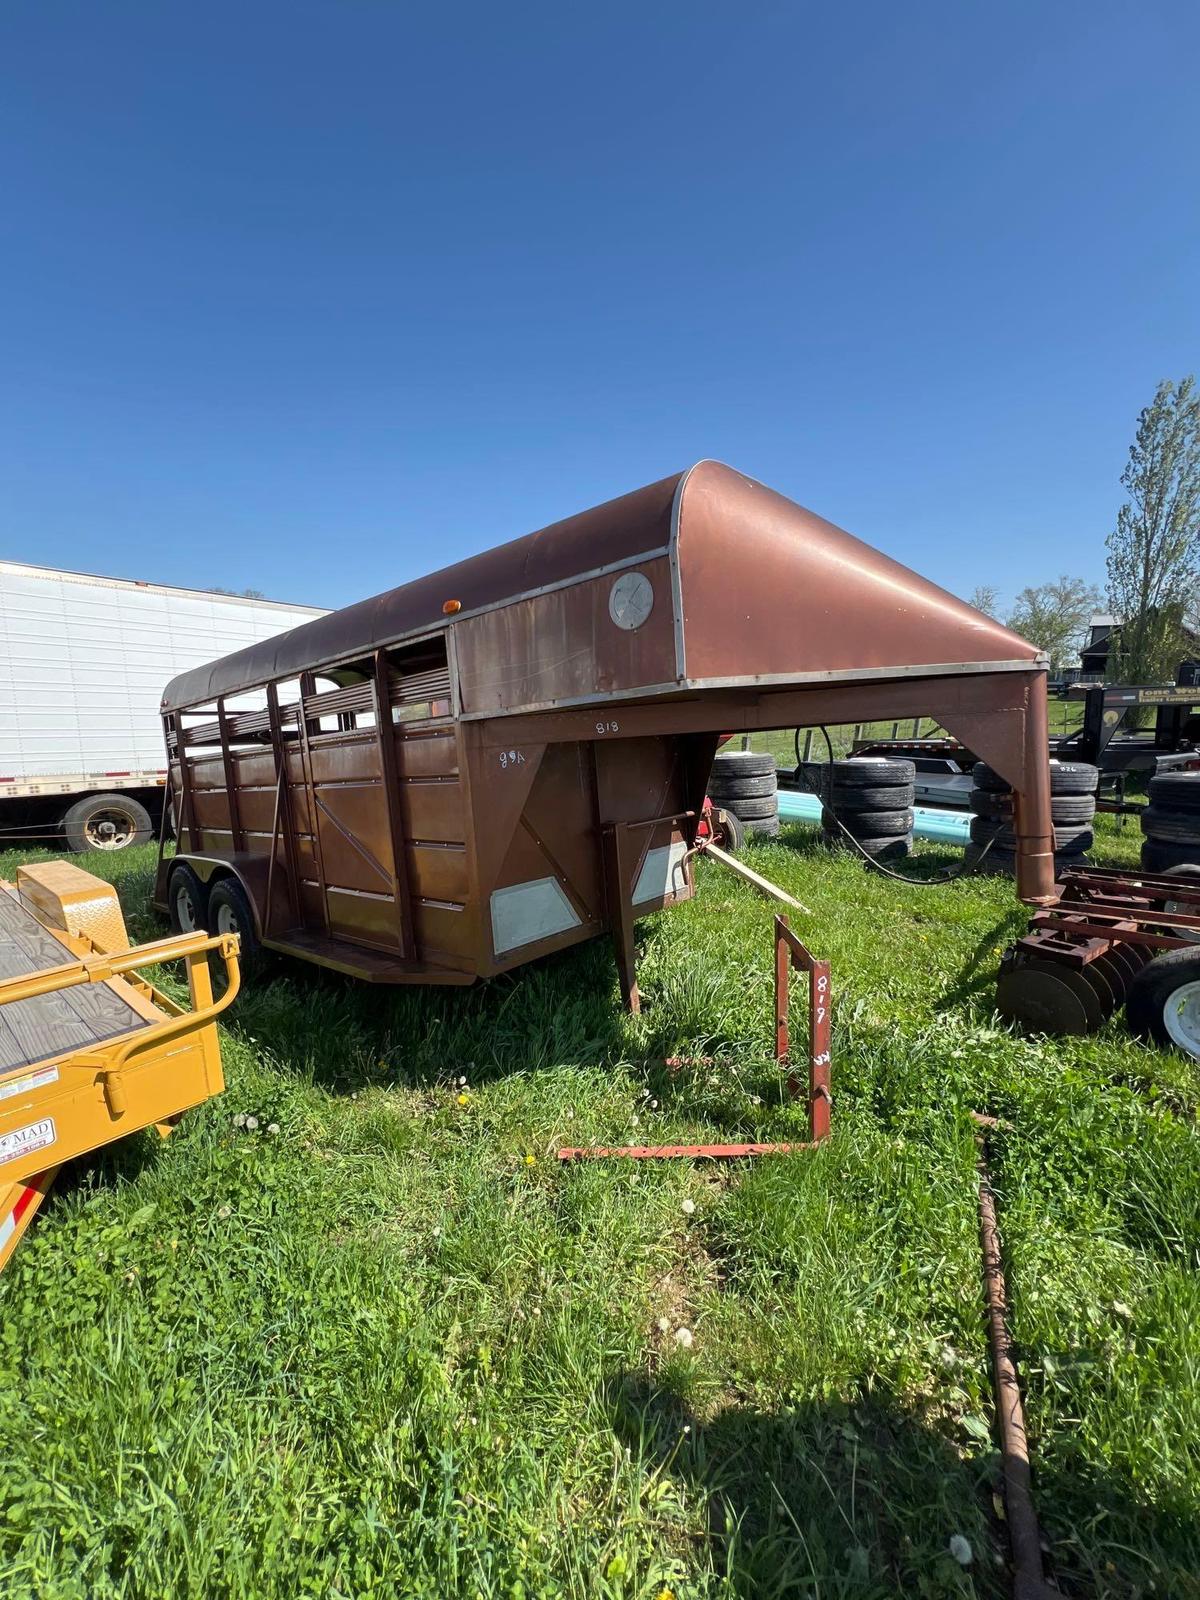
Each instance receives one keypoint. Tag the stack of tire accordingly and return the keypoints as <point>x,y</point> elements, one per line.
<point>743,783</point>
<point>1171,822</point>
<point>993,843</point>
<point>872,798</point>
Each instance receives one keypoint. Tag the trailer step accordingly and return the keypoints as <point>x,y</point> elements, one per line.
<point>370,966</point>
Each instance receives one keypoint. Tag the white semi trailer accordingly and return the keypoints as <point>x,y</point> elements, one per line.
<point>83,664</point>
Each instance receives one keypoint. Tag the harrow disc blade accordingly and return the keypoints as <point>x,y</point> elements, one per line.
<point>1043,997</point>
<point>1116,976</point>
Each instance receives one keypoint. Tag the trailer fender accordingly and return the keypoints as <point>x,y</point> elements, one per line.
<point>249,871</point>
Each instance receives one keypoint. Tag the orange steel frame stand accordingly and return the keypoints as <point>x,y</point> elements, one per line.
<point>790,954</point>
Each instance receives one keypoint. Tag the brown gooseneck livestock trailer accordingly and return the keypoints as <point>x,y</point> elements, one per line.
<point>510,756</point>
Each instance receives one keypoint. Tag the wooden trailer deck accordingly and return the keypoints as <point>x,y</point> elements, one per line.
<point>44,1026</point>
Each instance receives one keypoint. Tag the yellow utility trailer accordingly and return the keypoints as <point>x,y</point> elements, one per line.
<point>90,1051</point>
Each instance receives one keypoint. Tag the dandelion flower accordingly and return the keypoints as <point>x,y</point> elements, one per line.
<point>688,1207</point>
<point>272,1127</point>
<point>464,1099</point>
<point>530,1159</point>
<point>683,1338</point>
<point>251,1124</point>
<point>664,1324</point>
<point>960,1549</point>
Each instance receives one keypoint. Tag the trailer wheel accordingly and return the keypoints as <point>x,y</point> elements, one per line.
<point>229,912</point>
<point>727,831</point>
<point>185,900</point>
<point>107,822</point>
<point>1164,1001</point>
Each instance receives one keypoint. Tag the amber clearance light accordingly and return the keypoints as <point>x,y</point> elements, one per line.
<point>450,607</point>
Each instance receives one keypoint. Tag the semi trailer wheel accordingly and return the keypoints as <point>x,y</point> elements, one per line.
<point>107,822</point>
<point>1164,1001</point>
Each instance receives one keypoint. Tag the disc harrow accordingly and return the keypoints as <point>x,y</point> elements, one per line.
<point>1077,964</point>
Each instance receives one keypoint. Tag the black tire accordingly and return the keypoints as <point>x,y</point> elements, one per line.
<point>1072,807</point>
<point>1158,856</point>
<point>229,911</point>
<point>1069,839</point>
<point>1066,777</point>
<point>1156,991</point>
<point>767,829</point>
<point>728,831</point>
<point>728,764</point>
<point>1073,777</point>
<point>751,810</point>
<point>107,822</point>
<point>985,777</point>
<point>855,772</point>
<point>723,788</point>
<point>187,900</point>
<point>990,803</point>
<point>1063,807</point>
<point>872,797</point>
<point>872,824</point>
<point>1177,791</point>
<point>1177,827</point>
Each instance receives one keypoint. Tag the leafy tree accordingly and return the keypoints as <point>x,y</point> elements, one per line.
<point>1054,616</point>
<point>1154,551</point>
<point>985,597</point>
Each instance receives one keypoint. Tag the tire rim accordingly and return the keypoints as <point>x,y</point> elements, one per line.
<point>227,921</point>
<point>1181,1017</point>
<point>109,829</point>
<point>185,909</point>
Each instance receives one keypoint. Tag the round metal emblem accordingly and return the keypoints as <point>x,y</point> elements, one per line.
<point>631,600</point>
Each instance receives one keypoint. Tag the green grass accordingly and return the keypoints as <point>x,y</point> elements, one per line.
<point>381,1353</point>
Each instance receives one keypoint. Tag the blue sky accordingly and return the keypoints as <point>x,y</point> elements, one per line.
<point>313,298</point>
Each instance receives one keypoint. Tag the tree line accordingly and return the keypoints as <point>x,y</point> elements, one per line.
<point>1153,562</point>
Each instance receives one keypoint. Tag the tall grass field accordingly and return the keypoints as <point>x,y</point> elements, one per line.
<point>353,1330</point>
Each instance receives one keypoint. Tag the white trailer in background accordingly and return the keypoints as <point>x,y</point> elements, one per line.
<point>83,664</point>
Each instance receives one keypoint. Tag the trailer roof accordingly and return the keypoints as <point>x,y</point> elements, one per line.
<point>819,587</point>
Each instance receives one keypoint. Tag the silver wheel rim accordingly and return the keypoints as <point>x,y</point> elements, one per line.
<point>110,829</point>
<point>1181,1017</point>
<point>227,921</point>
<point>185,909</point>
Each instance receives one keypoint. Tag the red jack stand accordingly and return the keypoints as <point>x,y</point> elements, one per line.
<point>789,954</point>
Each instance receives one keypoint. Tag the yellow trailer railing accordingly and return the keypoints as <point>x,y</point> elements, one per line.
<point>90,1050</point>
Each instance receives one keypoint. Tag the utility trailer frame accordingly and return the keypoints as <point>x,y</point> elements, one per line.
<point>90,1050</point>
